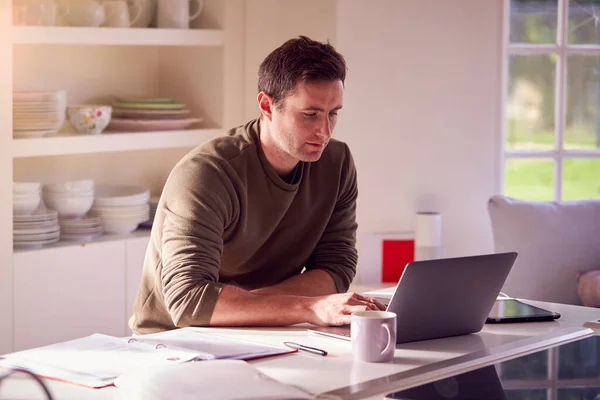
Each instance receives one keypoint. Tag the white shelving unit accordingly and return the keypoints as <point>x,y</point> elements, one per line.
<point>202,67</point>
<point>109,142</point>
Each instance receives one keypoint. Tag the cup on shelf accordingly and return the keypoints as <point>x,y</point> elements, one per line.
<point>89,119</point>
<point>40,13</point>
<point>176,13</point>
<point>84,12</point>
<point>118,13</point>
<point>147,13</point>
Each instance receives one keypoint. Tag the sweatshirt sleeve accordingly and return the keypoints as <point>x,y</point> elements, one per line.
<point>336,251</point>
<point>199,203</point>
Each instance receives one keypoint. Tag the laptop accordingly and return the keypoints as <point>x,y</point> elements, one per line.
<point>442,297</point>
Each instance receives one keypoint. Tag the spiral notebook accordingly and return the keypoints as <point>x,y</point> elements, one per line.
<point>97,360</point>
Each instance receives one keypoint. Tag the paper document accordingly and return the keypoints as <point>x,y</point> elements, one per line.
<point>94,360</point>
<point>97,360</point>
<point>205,380</point>
<point>209,346</point>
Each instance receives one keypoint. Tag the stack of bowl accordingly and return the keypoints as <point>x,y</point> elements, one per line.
<point>121,208</point>
<point>71,199</point>
<point>26,197</point>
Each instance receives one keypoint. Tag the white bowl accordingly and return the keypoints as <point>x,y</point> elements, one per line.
<point>26,205</point>
<point>69,206</point>
<point>89,119</point>
<point>26,187</point>
<point>118,227</point>
<point>121,195</point>
<point>84,185</point>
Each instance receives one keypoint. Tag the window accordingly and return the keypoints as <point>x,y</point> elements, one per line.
<point>552,99</point>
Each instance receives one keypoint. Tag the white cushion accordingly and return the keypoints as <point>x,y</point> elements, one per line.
<point>554,240</point>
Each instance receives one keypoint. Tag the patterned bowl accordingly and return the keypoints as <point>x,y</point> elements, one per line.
<point>89,119</point>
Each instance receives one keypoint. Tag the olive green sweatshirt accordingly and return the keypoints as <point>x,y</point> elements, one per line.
<point>226,217</point>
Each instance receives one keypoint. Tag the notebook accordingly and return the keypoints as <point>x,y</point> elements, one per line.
<point>97,360</point>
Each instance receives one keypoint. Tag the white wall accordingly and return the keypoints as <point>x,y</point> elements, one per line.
<point>422,113</point>
<point>421,107</point>
<point>269,23</point>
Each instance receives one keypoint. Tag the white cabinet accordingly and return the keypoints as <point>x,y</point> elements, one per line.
<point>69,292</point>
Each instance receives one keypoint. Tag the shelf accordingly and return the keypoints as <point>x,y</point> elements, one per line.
<point>116,36</point>
<point>110,142</point>
<point>139,233</point>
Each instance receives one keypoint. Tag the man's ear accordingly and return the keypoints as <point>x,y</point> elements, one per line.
<point>265,105</point>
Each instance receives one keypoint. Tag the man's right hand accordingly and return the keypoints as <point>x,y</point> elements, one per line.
<point>336,309</point>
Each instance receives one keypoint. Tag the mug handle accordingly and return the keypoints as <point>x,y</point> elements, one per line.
<point>390,343</point>
<point>199,10</point>
<point>137,6</point>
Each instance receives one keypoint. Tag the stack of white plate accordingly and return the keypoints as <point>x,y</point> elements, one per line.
<point>121,208</point>
<point>37,229</point>
<point>37,114</point>
<point>83,229</point>
<point>26,197</point>
<point>153,203</point>
<point>72,199</point>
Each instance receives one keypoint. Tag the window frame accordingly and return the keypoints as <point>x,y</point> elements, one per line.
<point>562,49</point>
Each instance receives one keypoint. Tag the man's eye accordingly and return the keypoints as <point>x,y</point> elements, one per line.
<point>310,115</point>
<point>333,114</point>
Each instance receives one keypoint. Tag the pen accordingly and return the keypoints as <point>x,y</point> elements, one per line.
<point>308,349</point>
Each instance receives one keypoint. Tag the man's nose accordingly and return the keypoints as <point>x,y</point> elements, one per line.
<point>325,128</point>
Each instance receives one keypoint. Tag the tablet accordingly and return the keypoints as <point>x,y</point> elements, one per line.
<point>512,310</point>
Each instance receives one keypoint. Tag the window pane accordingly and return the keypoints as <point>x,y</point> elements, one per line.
<point>532,367</point>
<point>579,360</point>
<point>583,94</point>
<point>581,178</point>
<point>578,393</point>
<point>583,22</point>
<point>533,21</point>
<point>530,107</point>
<point>526,394</point>
<point>529,179</point>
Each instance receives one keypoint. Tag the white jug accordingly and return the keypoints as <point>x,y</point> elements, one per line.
<point>176,13</point>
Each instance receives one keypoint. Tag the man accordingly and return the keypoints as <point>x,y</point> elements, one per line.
<point>241,216</point>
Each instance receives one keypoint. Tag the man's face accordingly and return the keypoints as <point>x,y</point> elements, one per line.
<point>304,122</point>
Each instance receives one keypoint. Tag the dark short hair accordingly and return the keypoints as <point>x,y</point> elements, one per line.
<point>299,59</point>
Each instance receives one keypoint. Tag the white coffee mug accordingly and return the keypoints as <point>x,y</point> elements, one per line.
<point>118,14</point>
<point>176,13</point>
<point>373,335</point>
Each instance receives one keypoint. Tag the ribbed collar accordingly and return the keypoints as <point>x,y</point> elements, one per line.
<point>253,130</point>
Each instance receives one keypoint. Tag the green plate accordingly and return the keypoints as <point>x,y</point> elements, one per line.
<point>149,106</point>
<point>144,100</point>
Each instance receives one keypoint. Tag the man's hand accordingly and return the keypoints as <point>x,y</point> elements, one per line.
<point>336,309</point>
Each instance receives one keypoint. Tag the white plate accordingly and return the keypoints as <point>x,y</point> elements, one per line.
<point>35,231</point>
<point>35,243</point>
<point>33,133</point>
<point>83,238</point>
<point>37,224</point>
<point>37,216</point>
<point>41,236</point>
